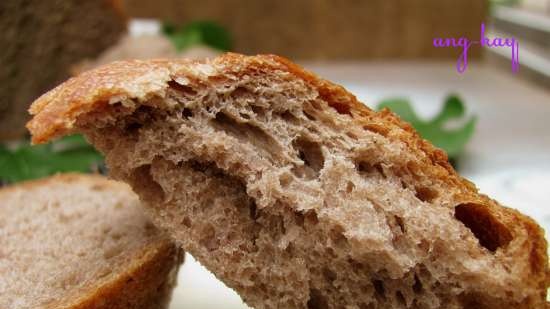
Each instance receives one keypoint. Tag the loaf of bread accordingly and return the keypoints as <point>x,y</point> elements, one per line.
<point>294,193</point>
<point>40,42</point>
<point>76,241</point>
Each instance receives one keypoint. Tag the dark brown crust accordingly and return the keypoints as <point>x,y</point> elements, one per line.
<point>146,282</point>
<point>56,112</point>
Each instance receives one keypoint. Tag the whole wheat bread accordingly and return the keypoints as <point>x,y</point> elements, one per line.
<point>294,193</point>
<point>75,241</point>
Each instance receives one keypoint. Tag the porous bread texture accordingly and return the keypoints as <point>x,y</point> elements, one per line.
<point>295,194</point>
<point>75,241</point>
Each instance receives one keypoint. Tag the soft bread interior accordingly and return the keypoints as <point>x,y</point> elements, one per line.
<point>295,204</point>
<point>67,241</point>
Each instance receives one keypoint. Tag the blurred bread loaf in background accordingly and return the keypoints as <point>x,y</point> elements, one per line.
<point>40,42</point>
<point>325,29</point>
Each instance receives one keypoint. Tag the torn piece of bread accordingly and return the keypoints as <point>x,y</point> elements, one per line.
<point>80,241</point>
<point>294,193</point>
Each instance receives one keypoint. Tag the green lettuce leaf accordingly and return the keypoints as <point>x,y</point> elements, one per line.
<point>198,33</point>
<point>69,154</point>
<point>434,130</point>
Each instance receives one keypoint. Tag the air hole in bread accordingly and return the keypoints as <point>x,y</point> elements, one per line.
<point>182,89</point>
<point>338,238</point>
<point>417,287</point>
<point>247,133</point>
<point>316,300</point>
<point>367,168</point>
<point>310,217</point>
<point>143,181</point>
<point>258,110</point>
<point>289,117</point>
<point>487,229</point>
<point>187,113</point>
<point>240,91</point>
<point>311,154</point>
<point>289,249</point>
<point>329,274</point>
<point>426,194</point>
<point>149,227</point>
<point>132,128</point>
<point>470,300</point>
<point>187,222</point>
<point>309,116</point>
<point>401,299</point>
<point>400,223</point>
<point>136,120</point>
<point>379,288</point>
<point>253,211</point>
<point>299,219</point>
<point>356,266</point>
<point>349,187</point>
<point>207,168</point>
<point>198,166</point>
<point>316,105</point>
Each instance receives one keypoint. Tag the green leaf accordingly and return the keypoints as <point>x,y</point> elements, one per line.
<point>435,130</point>
<point>452,109</point>
<point>198,33</point>
<point>69,154</point>
<point>168,28</point>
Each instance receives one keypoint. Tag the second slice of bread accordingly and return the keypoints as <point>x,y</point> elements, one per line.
<point>78,242</point>
<point>294,193</point>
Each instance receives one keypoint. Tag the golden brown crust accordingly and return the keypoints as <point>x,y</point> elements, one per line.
<point>56,112</point>
<point>148,278</point>
<point>146,283</point>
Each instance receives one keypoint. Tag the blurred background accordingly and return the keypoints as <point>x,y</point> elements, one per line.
<point>493,123</point>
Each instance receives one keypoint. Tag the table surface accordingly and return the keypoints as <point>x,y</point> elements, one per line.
<point>508,158</point>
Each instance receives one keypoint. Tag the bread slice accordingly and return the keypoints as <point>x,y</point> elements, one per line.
<point>76,241</point>
<point>294,193</point>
